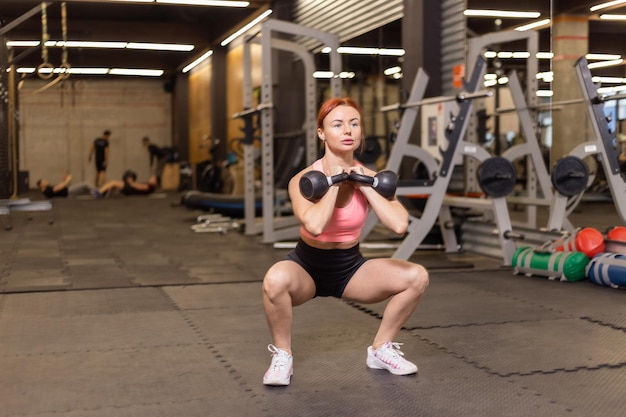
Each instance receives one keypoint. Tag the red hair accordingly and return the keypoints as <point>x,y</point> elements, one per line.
<point>331,104</point>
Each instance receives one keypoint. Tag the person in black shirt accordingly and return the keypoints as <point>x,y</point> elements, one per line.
<point>63,189</point>
<point>100,149</point>
<point>158,157</point>
<point>128,185</point>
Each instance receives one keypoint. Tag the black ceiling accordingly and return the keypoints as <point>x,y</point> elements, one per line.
<point>135,22</point>
<point>206,26</point>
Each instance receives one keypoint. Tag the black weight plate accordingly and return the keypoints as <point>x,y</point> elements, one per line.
<point>570,176</point>
<point>371,150</point>
<point>496,176</point>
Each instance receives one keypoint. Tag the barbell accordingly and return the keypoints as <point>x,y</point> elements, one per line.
<point>434,100</point>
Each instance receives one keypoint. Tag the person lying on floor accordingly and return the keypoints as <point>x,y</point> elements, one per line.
<point>128,185</point>
<point>64,188</point>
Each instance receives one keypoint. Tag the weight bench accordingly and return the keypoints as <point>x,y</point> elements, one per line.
<point>7,206</point>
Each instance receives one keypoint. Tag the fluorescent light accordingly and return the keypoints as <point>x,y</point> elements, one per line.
<point>359,50</point>
<point>507,54</point>
<point>390,52</point>
<point>392,70</point>
<point>106,45</point>
<point>608,80</point>
<point>93,71</point>
<point>545,55</point>
<point>198,61</point>
<point>18,44</point>
<point>500,13</point>
<point>547,76</point>
<point>613,16</point>
<point>605,5</point>
<point>611,90</point>
<point>603,64</point>
<point>514,55</point>
<point>141,72</point>
<point>534,25</point>
<point>330,74</point>
<point>544,93</point>
<point>490,76</point>
<point>323,74</point>
<point>216,3</point>
<point>89,71</point>
<point>602,57</point>
<point>246,27</point>
<point>159,46</point>
<point>90,44</point>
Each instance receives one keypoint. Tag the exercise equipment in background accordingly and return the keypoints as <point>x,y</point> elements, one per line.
<point>496,176</point>
<point>564,266</point>
<point>225,204</point>
<point>440,164</point>
<point>608,269</point>
<point>214,223</point>
<point>587,240</point>
<point>570,176</point>
<point>600,147</point>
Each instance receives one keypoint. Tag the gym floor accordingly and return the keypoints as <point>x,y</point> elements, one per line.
<point>116,308</point>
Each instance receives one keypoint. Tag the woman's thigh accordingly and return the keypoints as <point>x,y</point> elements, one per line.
<point>378,279</point>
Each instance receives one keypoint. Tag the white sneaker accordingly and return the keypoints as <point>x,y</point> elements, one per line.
<point>389,357</point>
<point>281,369</point>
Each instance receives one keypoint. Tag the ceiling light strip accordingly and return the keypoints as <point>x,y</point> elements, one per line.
<point>198,61</point>
<point>95,71</point>
<point>246,28</point>
<point>605,5</point>
<point>359,50</point>
<point>501,13</point>
<point>613,16</point>
<point>215,3</point>
<point>534,25</point>
<point>106,45</point>
<point>603,64</point>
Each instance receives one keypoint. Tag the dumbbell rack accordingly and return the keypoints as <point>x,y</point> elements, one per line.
<point>438,203</point>
<point>602,146</point>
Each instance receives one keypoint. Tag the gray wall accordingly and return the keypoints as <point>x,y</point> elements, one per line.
<point>59,124</point>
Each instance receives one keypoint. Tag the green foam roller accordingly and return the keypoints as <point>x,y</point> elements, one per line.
<point>566,266</point>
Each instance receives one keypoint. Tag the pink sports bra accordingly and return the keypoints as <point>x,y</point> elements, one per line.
<point>346,222</point>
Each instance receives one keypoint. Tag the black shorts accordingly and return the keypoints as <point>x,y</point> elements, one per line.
<point>100,166</point>
<point>331,269</point>
<point>128,190</point>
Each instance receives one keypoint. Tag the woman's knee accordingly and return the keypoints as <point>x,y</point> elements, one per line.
<point>419,278</point>
<point>276,281</point>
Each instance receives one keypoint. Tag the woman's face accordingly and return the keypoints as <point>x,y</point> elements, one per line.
<point>342,129</point>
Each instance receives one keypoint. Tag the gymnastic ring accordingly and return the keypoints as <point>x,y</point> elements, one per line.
<point>64,70</point>
<point>42,66</point>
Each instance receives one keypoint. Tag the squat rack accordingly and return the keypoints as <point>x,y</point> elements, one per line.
<point>272,227</point>
<point>438,204</point>
<point>602,146</point>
